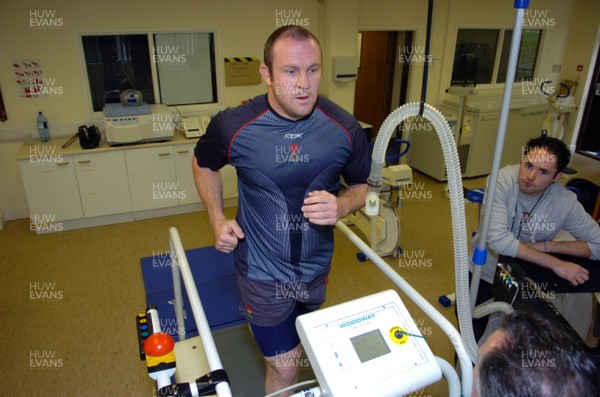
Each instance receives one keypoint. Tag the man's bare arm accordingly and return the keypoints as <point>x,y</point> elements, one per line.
<point>352,199</point>
<point>226,232</point>
<point>573,248</point>
<point>570,271</point>
<point>210,189</point>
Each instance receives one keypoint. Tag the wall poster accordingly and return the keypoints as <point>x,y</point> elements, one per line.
<point>29,77</point>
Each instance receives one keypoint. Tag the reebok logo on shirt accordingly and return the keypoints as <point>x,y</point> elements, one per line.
<point>293,136</point>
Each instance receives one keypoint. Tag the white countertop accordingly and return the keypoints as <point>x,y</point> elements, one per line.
<point>489,104</point>
<point>55,146</point>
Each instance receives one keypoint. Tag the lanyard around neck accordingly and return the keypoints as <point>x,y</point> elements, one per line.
<point>522,222</point>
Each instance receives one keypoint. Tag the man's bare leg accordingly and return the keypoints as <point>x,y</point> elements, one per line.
<point>282,371</point>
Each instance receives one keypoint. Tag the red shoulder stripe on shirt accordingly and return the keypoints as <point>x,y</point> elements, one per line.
<point>238,131</point>
<point>337,122</point>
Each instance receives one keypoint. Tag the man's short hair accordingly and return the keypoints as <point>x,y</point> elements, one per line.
<point>292,31</point>
<point>536,358</point>
<point>553,146</point>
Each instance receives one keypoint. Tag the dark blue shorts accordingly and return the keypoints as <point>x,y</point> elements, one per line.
<point>268,303</point>
<point>281,338</point>
<point>271,309</point>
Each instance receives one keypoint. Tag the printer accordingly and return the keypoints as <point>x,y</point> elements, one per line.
<point>138,124</point>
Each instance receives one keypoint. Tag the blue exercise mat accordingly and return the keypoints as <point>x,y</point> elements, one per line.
<point>214,274</point>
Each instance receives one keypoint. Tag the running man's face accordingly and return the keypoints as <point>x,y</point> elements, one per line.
<point>295,78</point>
<point>537,171</point>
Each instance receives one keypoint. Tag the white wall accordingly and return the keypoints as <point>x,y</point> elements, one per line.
<point>575,23</point>
<point>340,33</point>
<point>242,30</point>
<point>582,39</point>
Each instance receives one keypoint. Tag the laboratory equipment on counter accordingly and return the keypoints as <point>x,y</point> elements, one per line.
<point>368,346</point>
<point>131,97</point>
<point>477,136</point>
<point>138,124</point>
<point>195,127</point>
<point>560,104</point>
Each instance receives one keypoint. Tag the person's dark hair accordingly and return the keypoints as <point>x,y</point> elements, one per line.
<point>536,358</point>
<point>291,31</point>
<point>553,146</point>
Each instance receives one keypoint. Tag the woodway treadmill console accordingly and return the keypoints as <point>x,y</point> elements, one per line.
<point>367,347</point>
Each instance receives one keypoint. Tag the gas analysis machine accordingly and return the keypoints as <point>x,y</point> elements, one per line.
<point>368,346</point>
<point>138,124</point>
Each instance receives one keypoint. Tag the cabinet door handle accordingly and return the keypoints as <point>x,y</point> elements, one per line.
<point>84,161</point>
<point>164,154</point>
<point>63,163</point>
<point>182,151</point>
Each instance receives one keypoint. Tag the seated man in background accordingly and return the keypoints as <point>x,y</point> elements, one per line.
<point>530,356</point>
<point>529,210</point>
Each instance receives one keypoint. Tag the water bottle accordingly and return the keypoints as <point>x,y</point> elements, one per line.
<point>42,126</point>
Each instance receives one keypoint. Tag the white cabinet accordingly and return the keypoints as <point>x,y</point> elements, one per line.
<point>70,188</point>
<point>103,184</point>
<point>51,188</point>
<point>152,180</point>
<point>183,155</point>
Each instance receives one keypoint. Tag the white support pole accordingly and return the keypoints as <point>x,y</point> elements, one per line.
<point>212,355</point>
<point>177,293</point>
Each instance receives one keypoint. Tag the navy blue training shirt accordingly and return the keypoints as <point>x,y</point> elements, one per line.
<point>278,162</point>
